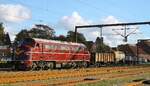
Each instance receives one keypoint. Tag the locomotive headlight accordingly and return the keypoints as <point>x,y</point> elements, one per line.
<point>27,53</point>
<point>22,62</point>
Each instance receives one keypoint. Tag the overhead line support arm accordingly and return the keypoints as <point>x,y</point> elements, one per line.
<point>108,25</point>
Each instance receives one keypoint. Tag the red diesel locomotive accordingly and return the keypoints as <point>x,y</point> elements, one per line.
<point>33,53</point>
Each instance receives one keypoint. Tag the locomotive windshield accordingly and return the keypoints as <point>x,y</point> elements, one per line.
<point>27,41</point>
<point>24,46</point>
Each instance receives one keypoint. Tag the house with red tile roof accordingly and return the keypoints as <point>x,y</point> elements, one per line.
<point>139,52</point>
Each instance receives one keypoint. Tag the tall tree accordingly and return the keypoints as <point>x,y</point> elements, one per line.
<point>71,37</point>
<point>100,47</point>
<point>42,31</point>
<point>38,31</point>
<point>1,33</point>
<point>7,40</point>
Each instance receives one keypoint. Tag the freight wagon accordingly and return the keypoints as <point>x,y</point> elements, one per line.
<point>100,59</point>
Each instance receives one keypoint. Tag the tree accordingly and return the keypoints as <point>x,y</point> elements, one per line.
<point>1,33</point>
<point>71,37</point>
<point>21,35</point>
<point>60,38</point>
<point>100,47</point>
<point>38,31</point>
<point>42,31</point>
<point>7,40</point>
<point>89,45</point>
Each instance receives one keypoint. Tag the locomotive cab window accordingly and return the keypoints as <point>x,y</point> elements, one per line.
<point>37,45</point>
<point>28,41</point>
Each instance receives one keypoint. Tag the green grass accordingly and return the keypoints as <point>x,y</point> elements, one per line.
<point>117,82</point>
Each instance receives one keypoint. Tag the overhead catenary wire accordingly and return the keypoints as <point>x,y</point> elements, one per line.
<point>116,6</point>
<point>98,10</point>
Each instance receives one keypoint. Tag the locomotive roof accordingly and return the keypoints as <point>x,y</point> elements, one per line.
<point>59,42</point>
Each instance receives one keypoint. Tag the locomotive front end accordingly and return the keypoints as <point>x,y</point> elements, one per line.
<point>23,54</point>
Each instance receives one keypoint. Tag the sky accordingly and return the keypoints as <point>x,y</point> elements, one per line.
<point>64,15</point>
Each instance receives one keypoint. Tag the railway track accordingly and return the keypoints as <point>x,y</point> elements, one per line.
<point>69,77</point>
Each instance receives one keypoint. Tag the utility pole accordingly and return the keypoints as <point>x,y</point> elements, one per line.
<point>101,32</point>
<point>75,34</point>
<point>137,46</point>
<point>101,38</point>
<point>125,36</point>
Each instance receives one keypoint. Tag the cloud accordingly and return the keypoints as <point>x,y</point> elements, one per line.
<point>110,37</point>
<point>10,31</point>
<point>69,22</point>
<point>14,13</point>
